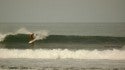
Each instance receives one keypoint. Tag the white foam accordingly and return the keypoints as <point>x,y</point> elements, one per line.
<point>62,54</point>
<point>41,35</point>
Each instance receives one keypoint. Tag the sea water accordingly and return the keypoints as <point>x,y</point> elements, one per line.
<point>61,64</point>
<point>59,52</point>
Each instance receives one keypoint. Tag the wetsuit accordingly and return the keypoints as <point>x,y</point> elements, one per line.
<point>31,36</point>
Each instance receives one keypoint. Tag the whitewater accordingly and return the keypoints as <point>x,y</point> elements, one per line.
<point>62,54</point>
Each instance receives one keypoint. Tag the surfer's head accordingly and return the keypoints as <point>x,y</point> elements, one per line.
<point>32,33</point>
<point>32,36</point>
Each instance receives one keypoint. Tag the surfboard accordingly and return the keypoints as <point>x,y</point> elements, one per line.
<point>30,42</point>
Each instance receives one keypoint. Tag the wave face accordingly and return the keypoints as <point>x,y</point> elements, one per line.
<point>63,42</point>
<point>24,38</point>
<point>43,40</point>
<point>62,54</point>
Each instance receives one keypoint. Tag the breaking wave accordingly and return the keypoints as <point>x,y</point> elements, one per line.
<point>21,35</point>
<point>42,36</point>
<point>62,54</point>
<point>20,39</point>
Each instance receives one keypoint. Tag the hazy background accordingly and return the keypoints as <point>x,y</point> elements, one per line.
<point>68,17</point>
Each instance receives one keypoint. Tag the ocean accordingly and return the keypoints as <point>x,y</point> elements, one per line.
<point>60,51</point>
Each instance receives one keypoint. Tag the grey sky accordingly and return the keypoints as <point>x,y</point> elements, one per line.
<point>62,10</point>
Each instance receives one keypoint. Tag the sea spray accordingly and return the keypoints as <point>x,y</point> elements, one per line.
<point>22,31</point>
<point>39,35</point>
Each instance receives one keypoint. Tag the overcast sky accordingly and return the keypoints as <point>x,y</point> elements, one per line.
<point>62,11</point>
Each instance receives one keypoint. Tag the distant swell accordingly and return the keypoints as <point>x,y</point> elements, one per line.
<point>62,54</point>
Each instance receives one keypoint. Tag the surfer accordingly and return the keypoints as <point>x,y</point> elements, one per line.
<point>32,37</point>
